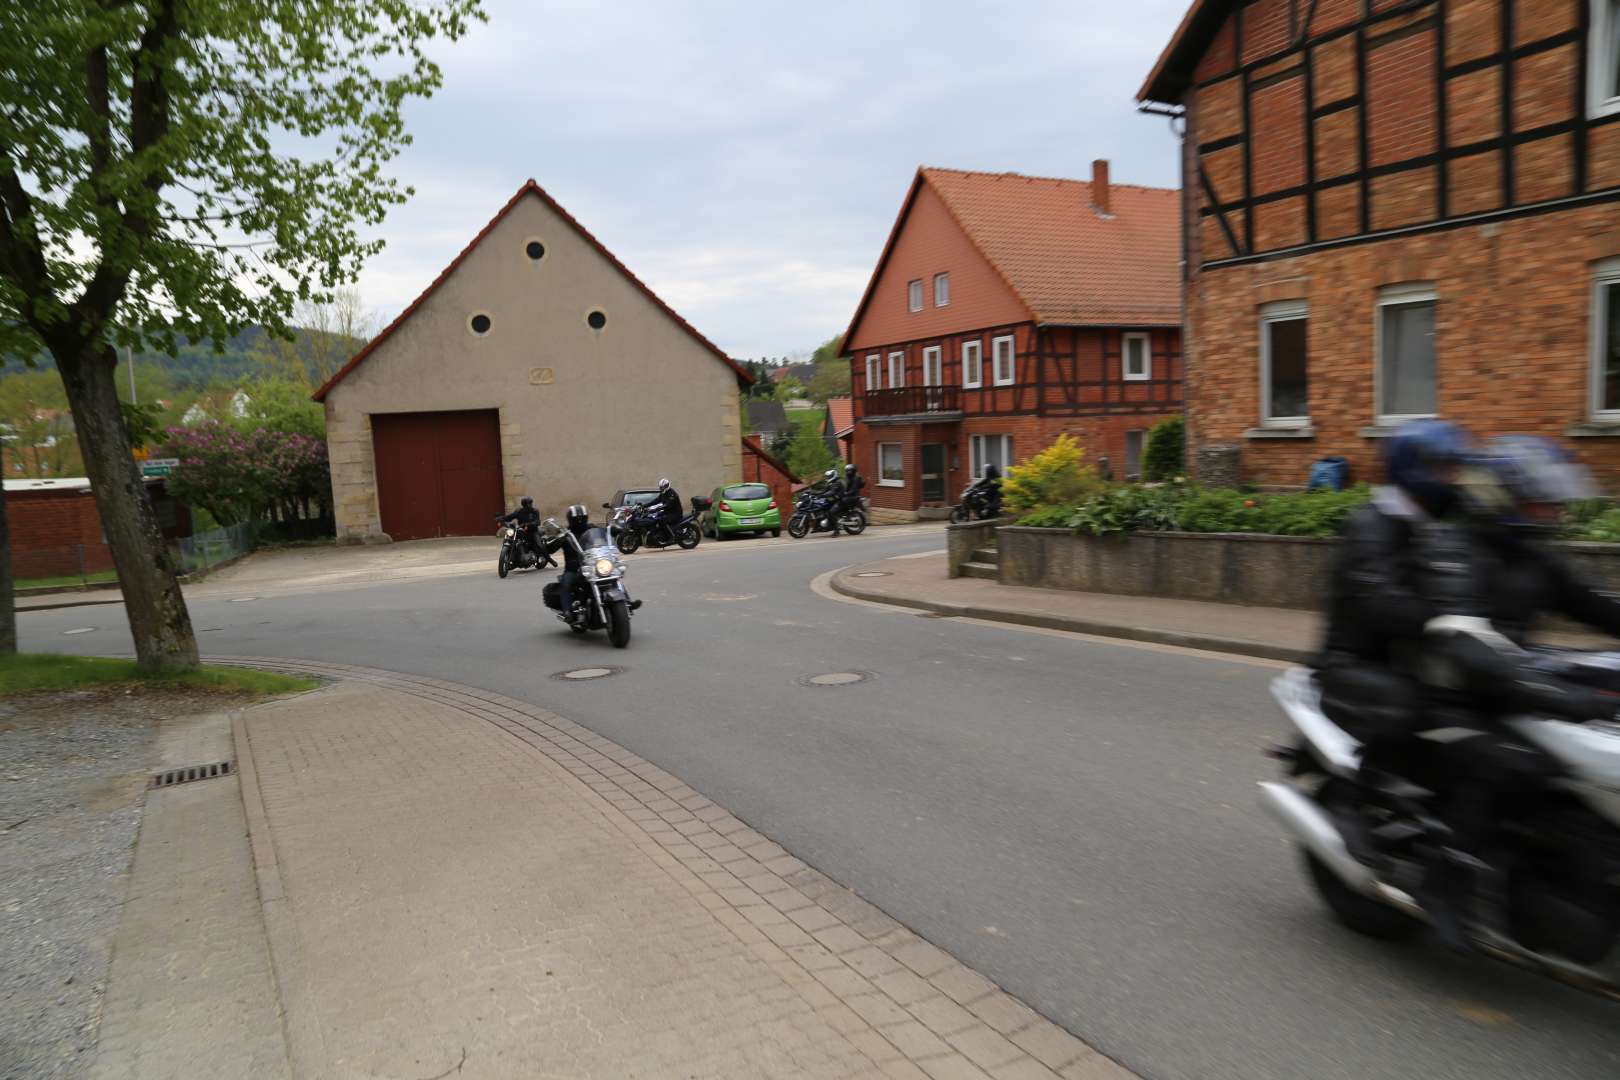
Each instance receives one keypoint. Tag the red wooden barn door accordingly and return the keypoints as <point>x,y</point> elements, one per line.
<point>438,473</point>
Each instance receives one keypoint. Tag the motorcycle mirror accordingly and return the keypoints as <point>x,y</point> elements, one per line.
<point>551,525</point>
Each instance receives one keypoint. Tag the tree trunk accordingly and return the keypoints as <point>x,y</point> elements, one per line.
<point>158,619</point>
<point>8,592</point>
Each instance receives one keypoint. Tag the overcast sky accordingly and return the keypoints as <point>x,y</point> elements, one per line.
<point>746,159</point>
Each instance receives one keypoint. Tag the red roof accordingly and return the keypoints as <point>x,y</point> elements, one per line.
<point>751,445</point>
<point>529,188</point>
<point>840,414</point>
<point>1068,263</point>
<point>1172,73</point>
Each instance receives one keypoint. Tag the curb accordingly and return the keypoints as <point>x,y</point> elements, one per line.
<point>184,579</point>
<point>879,984</point>
<point>1074,624</point>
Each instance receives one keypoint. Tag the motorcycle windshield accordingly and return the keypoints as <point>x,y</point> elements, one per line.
<point>595,537</point>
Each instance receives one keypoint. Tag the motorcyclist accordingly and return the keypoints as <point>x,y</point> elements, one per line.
<point>989,482</point>
<point>578,520</point>
<point>831,494</point>
<point>854,484</point>
<point>527,519</point>
<point>667,509</point>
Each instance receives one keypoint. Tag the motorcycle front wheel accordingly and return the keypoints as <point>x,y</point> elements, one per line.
<point>629,541</point>
<point>798,526</point>
<point>1360,913</point>
<point>959,513</point>
<point>688,537</point>
<point>853,522</point>
<point>618,614</point>
<point>504,564</point>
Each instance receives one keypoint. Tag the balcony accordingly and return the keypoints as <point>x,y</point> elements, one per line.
<point>912,401</point>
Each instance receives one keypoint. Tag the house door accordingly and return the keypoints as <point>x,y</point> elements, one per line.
<point>933,472</point>
<point>933,378</point>
<point>438,473</point>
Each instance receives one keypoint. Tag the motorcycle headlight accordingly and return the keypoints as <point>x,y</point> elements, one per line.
<point>604,567</point>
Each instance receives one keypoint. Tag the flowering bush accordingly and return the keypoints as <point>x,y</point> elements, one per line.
<point>243,475</point>
<point>1057,476</point>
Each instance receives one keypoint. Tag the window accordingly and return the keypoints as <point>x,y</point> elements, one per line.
<point>1603,68</point>
<point>933,366</point>
<point>1005,360</point>
<point>479,324</point>
<point>1405,343</point>
<point>891,469</point>
<point>1137,356</point>
<point>972,363</point>
<point>942,290</point>
<point>1284,400</point>
<point>914,295</point>
<point>1133,452</point>
<point>1606,340</point>
<point>746,492</point>
<point>874,371</point>
<point>596,320</point>
<point>897,369</point>
<point>535,250</point>
<point>989,450</point>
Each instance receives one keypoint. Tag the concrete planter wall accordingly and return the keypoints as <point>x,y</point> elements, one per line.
<point>962,539</point>
<point>1231,568</point>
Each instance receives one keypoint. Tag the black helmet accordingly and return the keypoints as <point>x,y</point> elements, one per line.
<point>1423,459</point>
<point>525,502</point>
<point>850,467</point>
<point>578,516</point>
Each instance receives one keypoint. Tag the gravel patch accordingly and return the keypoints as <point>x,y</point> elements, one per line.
<point>73,773</point>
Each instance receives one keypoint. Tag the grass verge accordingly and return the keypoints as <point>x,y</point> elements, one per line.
<point>105,577</point>
<point>27,672</point>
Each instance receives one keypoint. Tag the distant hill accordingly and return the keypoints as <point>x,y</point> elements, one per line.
<point>194,366</point>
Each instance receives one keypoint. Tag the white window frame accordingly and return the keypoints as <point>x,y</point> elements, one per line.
<point>1146,374</point>
<point>897,369</point>
<point>1141,452</point>
<point>976,445</point>
<point>934,354</point>
<point>1605,274</point>
<point>914,295</point>
<point>942,289</point>
<point>973,364</point>
<point>881,479</point>
<point>1396,296</point>
<point>874,371</point>
<point>1011,341</point>
<point>1603,62</point>
<point>1281,311</point>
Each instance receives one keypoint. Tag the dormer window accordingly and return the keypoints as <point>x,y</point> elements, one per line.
<point>914,298</point>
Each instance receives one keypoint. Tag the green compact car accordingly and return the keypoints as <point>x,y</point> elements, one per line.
<point>742,508</point>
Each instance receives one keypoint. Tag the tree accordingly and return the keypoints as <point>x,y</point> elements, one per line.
<point>282,404</point>
<point>808,455</point>
<point>1166,447</point>
<point>177,170</point>
<point>326,336</point>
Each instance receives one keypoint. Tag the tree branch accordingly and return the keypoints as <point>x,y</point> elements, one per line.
<point>19,236</point>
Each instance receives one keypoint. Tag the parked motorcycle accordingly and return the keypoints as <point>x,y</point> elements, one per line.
<point>813,512</point>
<point>980,502</point>
<point>600,602</point>
<point>517,551</point>
<point>632,526</point>
<point>1545,892</point>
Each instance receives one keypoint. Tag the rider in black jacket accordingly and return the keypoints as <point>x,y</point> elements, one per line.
<point>667,506</point>
<point>578,521</point>
<point>830,492</point>
<point>527,519</point>
<point>854,482</point>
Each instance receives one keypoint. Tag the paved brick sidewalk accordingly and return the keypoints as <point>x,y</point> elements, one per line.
<point>1269,633</point>
<point>471,886</point>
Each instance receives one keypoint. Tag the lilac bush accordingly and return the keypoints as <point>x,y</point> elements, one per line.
<point>245,475</point>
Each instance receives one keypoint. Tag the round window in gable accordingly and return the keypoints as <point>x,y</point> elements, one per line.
<point>535,250</point>
<point>479,324</point>
<point>596,320</point>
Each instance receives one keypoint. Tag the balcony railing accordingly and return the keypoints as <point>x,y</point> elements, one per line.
<point>906,400</point>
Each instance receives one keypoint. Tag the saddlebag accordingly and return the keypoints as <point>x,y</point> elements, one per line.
<point>551,595</point>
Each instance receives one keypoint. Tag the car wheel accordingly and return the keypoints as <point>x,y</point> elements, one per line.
<point>776,533</point>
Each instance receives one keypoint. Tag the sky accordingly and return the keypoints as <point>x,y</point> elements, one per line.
<point>747,159</point>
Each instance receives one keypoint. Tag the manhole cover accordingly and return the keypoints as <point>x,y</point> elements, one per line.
<point>586,673</point>
<point>80,630</point>
<point>874,573</point>
<point>191,774</point>
<point>243,599</point>
<point>836,678</point>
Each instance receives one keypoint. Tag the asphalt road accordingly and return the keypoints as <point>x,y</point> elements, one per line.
<point>1075,818</point>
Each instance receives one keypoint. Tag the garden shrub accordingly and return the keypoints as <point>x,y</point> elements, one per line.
<point>1162,458</point>
<point>1129,507</point>
<point>1057,476</point>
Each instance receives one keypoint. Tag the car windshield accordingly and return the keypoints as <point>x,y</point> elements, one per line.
<point>747,492</point>
<point>639,498</point>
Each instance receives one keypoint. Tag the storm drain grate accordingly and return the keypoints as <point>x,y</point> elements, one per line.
<point>191,773</point>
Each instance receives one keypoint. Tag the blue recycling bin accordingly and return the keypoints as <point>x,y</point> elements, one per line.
<point>1329,474</point>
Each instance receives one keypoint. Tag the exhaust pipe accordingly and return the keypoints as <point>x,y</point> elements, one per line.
<point>1311,826</point>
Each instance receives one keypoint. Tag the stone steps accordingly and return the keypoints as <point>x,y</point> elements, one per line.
<point>984,563</point>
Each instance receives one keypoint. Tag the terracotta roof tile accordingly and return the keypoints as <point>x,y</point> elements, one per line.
<point>1068,263</point>
<point>840,414</point>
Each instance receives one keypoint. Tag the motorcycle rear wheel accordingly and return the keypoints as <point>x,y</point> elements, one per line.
<point>618,614</point>
<point>629,541</point>
<point>798,526</point>
<point>689,537</point>
<point>503,564</point>
<point>853,522</point>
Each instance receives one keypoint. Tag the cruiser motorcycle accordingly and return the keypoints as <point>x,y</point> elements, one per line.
<point>600,601</point>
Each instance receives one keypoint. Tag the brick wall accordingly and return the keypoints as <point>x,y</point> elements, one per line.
<point>1512,338</point>
<point>55,534</point>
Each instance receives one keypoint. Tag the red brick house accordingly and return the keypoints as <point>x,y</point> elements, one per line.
<point>56,528</point>
<point>760,467</point>
<point>1004,311</point>
<point>1397,209</point>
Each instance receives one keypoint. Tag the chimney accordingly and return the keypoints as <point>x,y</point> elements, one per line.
<point>1099,186</point>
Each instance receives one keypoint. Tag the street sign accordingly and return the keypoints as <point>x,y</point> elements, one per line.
<point>159,466</point>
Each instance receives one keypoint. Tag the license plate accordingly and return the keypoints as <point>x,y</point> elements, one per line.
<point>749,521</point>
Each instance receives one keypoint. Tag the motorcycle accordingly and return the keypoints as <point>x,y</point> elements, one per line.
<point>813,512</point>
<point>632,526</point>
<point>1544,890</point>
<point>516,551</point>
<point>600,601</point>
<point>980,501</point>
